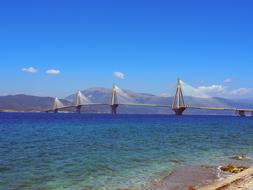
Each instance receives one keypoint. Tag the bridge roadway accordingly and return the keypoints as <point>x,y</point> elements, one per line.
<point>221,109</point>
<point>74,106</point>
<point>104,104</point>
<point>242,111</point>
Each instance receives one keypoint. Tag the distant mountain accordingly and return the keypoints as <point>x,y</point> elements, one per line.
<point>23,102</point>
<point>103,95</point>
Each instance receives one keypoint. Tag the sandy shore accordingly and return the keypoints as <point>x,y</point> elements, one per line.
<point>242,181</point>
<point>204,178</point>
<point>184,177</point>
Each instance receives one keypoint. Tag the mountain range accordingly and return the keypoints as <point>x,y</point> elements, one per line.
<point>27,103</point>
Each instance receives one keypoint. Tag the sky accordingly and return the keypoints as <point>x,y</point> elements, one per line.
<point>56,47</point>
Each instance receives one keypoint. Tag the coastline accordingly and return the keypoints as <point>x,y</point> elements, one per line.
<point>242,181</point>
<point>205,178</point>
<point>184,177</point>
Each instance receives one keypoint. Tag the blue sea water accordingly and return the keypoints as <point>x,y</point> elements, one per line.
<point>78,152</point>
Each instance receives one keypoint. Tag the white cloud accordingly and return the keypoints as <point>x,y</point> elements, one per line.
<point>211,89</point>
<point>119,75</point>
<point>228,80</point>
<point>242,91</point>
<point>165,95</point>
<point>53,72</point>
<point>216,90</point>
<point>30,70</point>
<point>223,91</point>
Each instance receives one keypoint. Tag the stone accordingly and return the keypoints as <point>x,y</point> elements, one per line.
<point>239,157</point>
<point>233,169</point>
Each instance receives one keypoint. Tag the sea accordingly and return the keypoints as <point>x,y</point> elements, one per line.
<point>65,151</point>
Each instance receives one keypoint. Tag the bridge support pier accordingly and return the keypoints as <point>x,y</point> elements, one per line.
<point>114,109</point>
<point>241,113</point>
<point>78,109</point>
<point>179,111</point>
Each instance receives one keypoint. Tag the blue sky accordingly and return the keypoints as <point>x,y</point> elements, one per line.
<point>81,43</point>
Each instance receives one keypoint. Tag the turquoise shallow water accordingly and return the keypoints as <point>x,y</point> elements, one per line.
<point>78,152</point>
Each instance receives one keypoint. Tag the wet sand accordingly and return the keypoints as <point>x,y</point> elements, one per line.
<point>205,178</point>
<point>242,181</point>
<point>183,178</point>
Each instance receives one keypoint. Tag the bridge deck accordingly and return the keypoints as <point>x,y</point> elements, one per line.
<point>154,105</point>
<point>74,106</point>
<point>147,105</point>
<point>221,109</point>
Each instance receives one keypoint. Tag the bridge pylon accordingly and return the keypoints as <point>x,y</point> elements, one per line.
<point>114,101</point>
<point>57,105</point>
<point>178,105</point>
<point>78,102</point>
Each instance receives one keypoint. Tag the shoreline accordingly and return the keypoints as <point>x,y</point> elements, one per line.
<point>205,177</point>
<point>184,177</point>
<point>242,181</point>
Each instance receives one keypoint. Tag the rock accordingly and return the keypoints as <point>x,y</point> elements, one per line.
<point>239,157</point>
<point>176,161</point>
<point>233,169</point>
<point>191,188</point>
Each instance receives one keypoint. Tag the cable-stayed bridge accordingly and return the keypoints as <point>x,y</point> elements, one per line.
<point>121,98</point>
